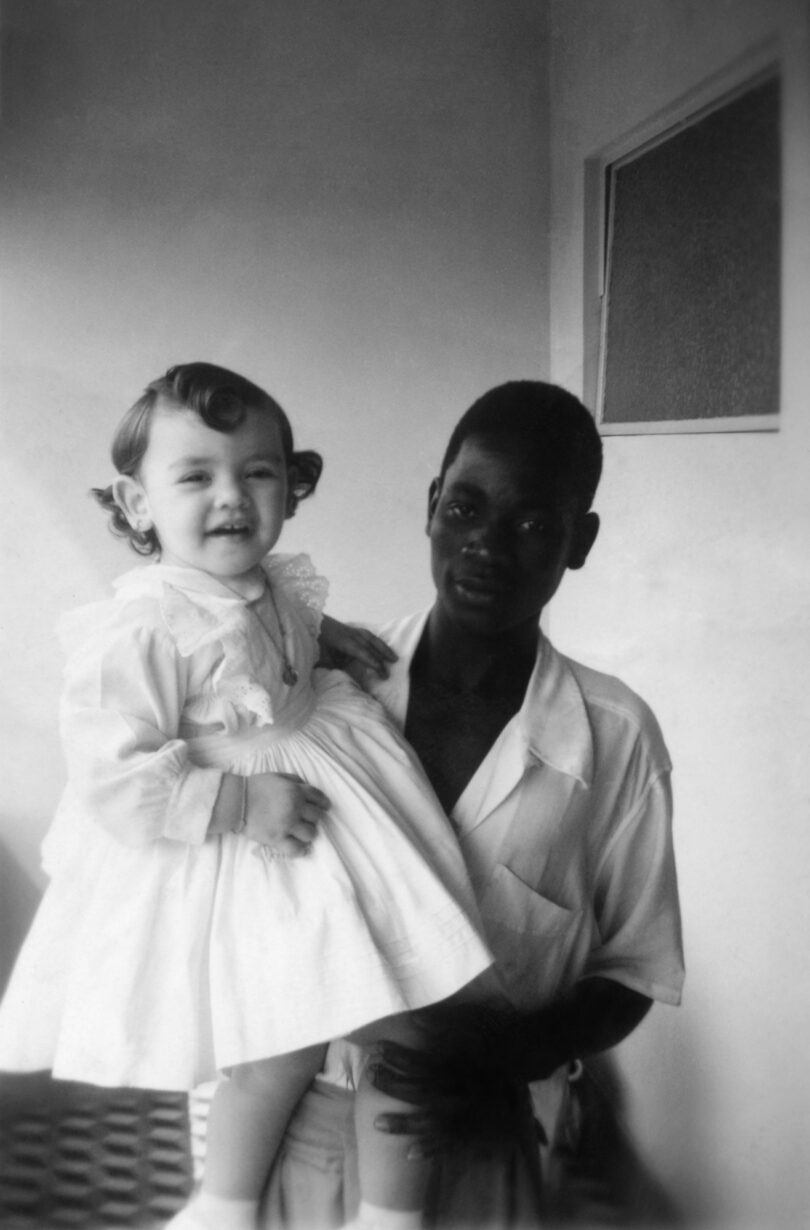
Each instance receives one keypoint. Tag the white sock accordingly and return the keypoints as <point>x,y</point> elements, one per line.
<point>224,1213</point>
<point>373,1217</point>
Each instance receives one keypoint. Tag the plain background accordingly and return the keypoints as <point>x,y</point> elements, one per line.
<point>376,211</point>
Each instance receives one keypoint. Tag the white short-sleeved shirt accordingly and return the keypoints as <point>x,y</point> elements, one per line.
<point>566,832</point>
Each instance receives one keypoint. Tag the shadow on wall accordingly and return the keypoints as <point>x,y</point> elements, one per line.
<point>19,898</point>
<point>595,1175</point>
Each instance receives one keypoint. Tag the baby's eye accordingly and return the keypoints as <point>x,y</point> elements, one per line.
<point>262,472</point>
<point>194,477</point>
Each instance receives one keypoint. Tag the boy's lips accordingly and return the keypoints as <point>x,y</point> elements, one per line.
<point>480,588</point>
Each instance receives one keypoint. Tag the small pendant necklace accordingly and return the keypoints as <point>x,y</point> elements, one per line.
<point>289,674</point>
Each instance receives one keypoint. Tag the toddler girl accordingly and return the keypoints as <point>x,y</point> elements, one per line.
<point>183,933</point>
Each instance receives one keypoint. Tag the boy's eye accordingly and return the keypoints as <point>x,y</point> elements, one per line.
<point>459,511</point>
<point>533,525</point>
<point>262,472</point>
<point>194,476</point>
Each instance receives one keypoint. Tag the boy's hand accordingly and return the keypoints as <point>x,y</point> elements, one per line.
<point>461,1086</point>
<point>342,645</point>
<point>283,813</point>
<point>469,1082</point>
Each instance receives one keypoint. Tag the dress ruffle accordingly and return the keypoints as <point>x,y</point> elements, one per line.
<point>297,575</point>
<point>199,611</point>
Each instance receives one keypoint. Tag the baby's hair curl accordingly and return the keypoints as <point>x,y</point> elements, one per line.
<point>222,399</point>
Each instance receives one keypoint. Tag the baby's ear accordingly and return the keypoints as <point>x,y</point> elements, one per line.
<point>303,473</point>
<point>131,498</point>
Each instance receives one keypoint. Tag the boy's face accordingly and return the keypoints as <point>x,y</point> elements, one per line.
<point>501,537</point>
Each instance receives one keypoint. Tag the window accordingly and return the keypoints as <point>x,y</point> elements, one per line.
<point>683,221</point>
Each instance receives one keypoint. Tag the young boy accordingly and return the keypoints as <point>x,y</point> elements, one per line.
<point>556,779</point>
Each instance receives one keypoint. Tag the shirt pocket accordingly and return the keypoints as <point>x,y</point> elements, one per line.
<point>538,944</point>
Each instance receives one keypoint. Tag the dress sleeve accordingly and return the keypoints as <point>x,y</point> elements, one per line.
<point>636,902</point>
<point>121,706</point>
<point>306,589</point>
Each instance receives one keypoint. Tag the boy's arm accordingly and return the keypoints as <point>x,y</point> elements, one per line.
<point>598,1014</point>
<point>464,1080</point>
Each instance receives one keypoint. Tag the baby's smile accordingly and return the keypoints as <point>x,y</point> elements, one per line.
<point>240,530</point>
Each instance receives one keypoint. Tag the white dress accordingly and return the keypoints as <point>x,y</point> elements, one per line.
<point>160,956</point>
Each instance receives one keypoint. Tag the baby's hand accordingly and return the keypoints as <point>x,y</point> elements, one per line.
<point>283,813</point>
<point>342,645</point>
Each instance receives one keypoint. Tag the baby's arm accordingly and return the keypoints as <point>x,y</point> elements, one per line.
<point>275,809</point>
<point>130,772</point>
<point>127,768</point>
<point>343,645</point>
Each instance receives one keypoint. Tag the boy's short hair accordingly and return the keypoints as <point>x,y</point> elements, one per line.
<point>545,419</point>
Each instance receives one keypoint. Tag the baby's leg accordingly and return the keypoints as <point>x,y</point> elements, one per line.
<point>392,1184</point>
<point>248,1118</point>
<point>246,1124</point>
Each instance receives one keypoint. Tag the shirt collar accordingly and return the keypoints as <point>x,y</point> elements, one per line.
<point>552,721</point>
<point>554,718</point>
<point>393,692</point>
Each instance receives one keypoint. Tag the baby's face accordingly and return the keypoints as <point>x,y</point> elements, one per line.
<point>217,500</point>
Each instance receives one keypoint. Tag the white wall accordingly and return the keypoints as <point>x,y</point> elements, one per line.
<point>698,594</point>
<point>346,202</point>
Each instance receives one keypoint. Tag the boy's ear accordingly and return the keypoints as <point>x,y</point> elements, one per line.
<point>133,501</point>
<point>434,492</point>
<point>585,532</point>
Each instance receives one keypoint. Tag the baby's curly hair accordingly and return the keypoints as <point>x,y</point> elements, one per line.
<point>222,399</point>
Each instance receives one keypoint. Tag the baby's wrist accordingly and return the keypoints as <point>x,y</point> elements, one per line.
<point>240,824</point>
<point>230,806</point>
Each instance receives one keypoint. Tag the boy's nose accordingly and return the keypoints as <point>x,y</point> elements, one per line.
<point>487,540</point>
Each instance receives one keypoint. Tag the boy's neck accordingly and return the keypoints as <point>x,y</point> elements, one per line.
<point>459,660</point>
